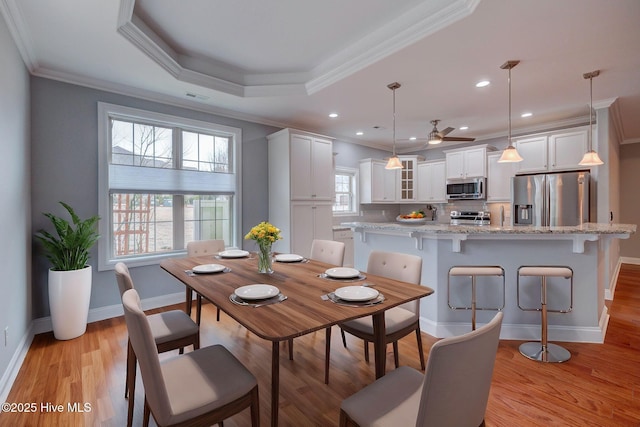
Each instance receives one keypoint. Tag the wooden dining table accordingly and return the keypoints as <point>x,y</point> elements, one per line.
<point>304,311</point>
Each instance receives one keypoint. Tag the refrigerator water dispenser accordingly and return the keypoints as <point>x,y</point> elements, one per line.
<point>524,215</point>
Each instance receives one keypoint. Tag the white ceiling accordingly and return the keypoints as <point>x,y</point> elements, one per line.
<point>291,63</point>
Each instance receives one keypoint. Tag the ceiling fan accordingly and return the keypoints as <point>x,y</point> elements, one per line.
<point>436,136</point>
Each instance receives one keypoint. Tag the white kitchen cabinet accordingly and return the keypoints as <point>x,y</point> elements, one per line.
<point>567,149</point>
<point>534,152</point>
<point>301,186</point>
<point>311,168</point>
<point>377,184</point>
<point>466,162</point>
<point>309,220</point>
<point>406,179</point>
<point>552,151</point>
<point>499,178</point>
<point>346,237</point>
<point>380,185</point>
<point>431,182</point>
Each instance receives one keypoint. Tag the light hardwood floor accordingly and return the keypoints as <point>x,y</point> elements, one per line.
<point>599,386</point>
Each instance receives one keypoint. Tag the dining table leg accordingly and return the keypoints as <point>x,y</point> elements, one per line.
<point>275,382</point>
<point>379,344</point>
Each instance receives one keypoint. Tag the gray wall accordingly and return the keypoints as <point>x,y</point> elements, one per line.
<point>65,168</point>
<point>629,200</point>
<point>15,212</point>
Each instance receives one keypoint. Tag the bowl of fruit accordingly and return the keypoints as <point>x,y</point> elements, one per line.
<point>415,217</point>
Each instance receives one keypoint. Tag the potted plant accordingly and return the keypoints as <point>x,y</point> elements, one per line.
<point>70,275</point>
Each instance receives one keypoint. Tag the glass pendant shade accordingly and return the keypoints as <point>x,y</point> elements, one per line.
<point>393,163</point>
<point>591,158</point>
<point>510,155</point>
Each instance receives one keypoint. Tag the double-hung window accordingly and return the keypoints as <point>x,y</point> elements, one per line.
<point>346,197</point>
<point>163,182</point>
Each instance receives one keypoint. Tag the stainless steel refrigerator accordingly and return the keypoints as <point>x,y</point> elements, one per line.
<point>554,199</point>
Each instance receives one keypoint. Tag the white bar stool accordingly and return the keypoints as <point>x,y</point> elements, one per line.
<point>543,351</point>
<point>474,271</point>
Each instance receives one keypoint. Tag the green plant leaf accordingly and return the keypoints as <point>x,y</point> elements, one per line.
<point>69,248</point>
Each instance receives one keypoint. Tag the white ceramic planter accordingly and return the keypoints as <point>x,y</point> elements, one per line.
<point>69,296</point>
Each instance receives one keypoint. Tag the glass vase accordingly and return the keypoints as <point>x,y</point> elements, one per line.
<point>264,258</point>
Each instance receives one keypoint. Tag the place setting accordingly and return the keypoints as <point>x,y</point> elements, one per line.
<point>343,274</point>
<point>355,296</point>
<point>207,269</point>
<point>257,295</point>
<point>290,258</point>
<point>233,253</point>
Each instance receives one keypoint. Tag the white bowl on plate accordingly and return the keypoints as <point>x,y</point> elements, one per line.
<point>208,268</point>
<point>233,253</point>
<point>342,273</point>
<point>289,258</point>
<point>356,293</point>
<point>257,291</point>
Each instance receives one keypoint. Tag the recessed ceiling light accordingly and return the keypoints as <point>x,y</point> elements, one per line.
<point>525,115</point>
<point>333,115</point>
<point>359,133</point>
<point>483,83</point>
<point>412,138</point>
<point>463,127</point>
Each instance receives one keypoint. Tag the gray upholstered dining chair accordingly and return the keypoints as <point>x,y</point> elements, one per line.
<point>202,387</point>
<point>329,252</point>
<point>202,248</point>
<point>399,321</point>
<point>170,330</point>
<point>454,390</point>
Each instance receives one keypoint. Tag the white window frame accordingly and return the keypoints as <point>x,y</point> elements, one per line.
<point>231,183</point>
<point>343,170</point>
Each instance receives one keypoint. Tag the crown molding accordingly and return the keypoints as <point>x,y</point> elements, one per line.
<point>20,32</point>
<point>147,95</point>
<point>403,31</point>
<point>406,29</point>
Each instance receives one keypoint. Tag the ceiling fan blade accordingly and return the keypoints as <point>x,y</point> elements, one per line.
<point>453,138</point>
<point>444,132</point>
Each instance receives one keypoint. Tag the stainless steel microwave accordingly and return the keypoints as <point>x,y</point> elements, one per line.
<point>466,189</point>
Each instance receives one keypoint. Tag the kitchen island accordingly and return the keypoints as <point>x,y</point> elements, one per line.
<point>583,248</point>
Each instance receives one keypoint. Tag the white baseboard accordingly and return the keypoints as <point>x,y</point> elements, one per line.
<point>42,325</point>
<point>609,293</point>
<point>560,333</point>
<point>10,374</point>
<point>629,260</point>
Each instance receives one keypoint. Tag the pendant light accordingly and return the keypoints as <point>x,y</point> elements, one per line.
<point>394,161</point>
<point>591,158</point>
<point>510,154</point>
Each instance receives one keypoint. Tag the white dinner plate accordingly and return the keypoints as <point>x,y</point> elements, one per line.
<point>208,268</point>
<point>356,293</point>
<point>258,291</point>
<point>342,273</point>
<point>233,253</point>
<point>289,258</point>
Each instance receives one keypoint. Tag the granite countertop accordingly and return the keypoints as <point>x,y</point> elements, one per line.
<point>588,228</point>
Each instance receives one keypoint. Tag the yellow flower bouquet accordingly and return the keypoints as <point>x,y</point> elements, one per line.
<point>265,235</point>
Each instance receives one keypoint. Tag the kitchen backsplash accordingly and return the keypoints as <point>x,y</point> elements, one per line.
<point>388,213</point>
